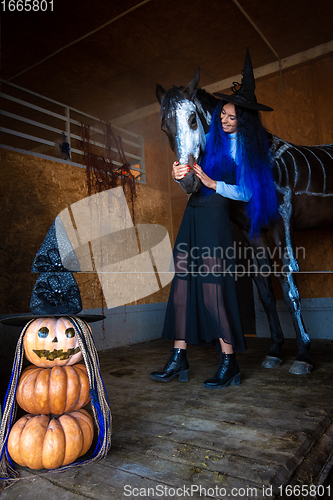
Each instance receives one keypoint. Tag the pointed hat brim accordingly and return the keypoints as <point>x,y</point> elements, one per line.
<point>239,100</point>
<point>23,319</point>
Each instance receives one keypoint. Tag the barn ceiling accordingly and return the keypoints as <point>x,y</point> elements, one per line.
<point>114,70</point>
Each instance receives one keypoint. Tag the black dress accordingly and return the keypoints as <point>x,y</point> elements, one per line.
<point>202,305</point>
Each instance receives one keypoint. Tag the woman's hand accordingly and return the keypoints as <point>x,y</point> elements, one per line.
<point>207,181</point>
<point>179,171</point>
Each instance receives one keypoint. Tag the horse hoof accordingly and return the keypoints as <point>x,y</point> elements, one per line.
<point>300,368</point>
<point>271,362</point>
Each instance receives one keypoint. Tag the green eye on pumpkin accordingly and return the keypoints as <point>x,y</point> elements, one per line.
<point>43,332</point>
<point>70,332</point>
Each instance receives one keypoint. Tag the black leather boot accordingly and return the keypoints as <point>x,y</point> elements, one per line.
<point>227,373</point>
<point>177,364</point>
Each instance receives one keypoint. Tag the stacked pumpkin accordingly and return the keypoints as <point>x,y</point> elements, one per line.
<point>53,390</point>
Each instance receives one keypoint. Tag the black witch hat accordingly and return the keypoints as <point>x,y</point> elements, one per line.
<point>245,96</point>
<point>55,293</point>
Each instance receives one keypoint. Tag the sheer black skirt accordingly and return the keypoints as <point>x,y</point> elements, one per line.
<point>202,305</point>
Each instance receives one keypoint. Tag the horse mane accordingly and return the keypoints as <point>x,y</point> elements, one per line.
<point>208,101</point>
<point>170,99</point>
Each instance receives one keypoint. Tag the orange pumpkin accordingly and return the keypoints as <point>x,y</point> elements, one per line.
<point>46,442</point>
<point>51,342</point>
<point>54,390</point>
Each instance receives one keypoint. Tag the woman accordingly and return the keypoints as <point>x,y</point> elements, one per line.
<point>202,306</point>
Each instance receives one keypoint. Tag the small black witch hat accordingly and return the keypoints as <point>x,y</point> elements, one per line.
<point>55,293</point>
<point>245,96</point>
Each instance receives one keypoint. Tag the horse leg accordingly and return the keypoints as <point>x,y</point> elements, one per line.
<point>265,290</point>
<point>282,233</point>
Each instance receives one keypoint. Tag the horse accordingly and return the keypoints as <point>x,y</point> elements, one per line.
<point>304,183</point>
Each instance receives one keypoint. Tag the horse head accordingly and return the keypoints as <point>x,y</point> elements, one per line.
<point>185,117</point>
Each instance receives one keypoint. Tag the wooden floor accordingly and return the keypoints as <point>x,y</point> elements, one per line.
<point>241,442</point>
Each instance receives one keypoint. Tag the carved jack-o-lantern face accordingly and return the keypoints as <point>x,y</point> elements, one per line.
<point>51,342</point>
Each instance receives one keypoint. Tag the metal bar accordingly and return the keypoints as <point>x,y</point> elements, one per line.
<point>100,145</point>
<point>79,152</point>
<point>64,106</point>
<point>32,93</point>
<point>74,136</point>
<point>41,155</point>
<point>142,161</point>
<point>67,118</point>
<point>99,131</point>
<point>122,130</point>
<point>130,143</point>
<point>32,106</point>
<point>31,122</point>
<point>79,124</point>
<point>68,126</point>
<point>26,136</point>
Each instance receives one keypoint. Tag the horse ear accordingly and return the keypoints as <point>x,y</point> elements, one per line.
<point>191,87</point>
<point>160,93</point>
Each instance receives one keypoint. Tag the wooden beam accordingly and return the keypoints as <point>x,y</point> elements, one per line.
<point>221,85</point>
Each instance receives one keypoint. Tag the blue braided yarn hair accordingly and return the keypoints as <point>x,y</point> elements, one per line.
<point>253,168</point>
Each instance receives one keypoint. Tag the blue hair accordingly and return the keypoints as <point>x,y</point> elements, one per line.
<point>257,172</point>
<point>253,167</point>
<point>217,162</point>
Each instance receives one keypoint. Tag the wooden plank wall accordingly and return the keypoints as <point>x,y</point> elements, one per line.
<point>33,191</point>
